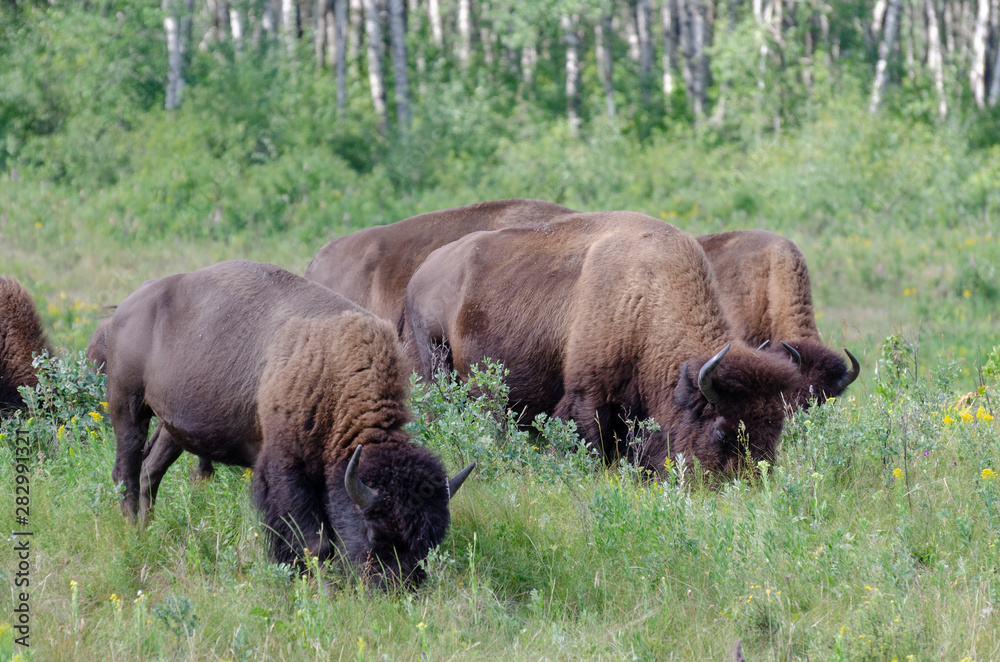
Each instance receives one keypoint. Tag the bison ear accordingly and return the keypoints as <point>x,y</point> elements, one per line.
<point>459,478</point>
<point>360,493</point>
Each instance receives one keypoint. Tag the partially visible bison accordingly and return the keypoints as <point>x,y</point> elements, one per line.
<point>766,292</point>
<point>601,318</point>
<point>247,364</point>
<point>21,335</point>
<point>372,267</point>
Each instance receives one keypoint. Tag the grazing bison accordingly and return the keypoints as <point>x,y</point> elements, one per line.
<point>765,290</point>
<point>602,318</point>
<point>247,364</point>
<point>372,267</point>
<point>21,335</point>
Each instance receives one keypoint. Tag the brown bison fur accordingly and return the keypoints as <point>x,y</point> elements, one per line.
<point>372,267</point>
<point>97,353</point>
<point>97,348</point>
<point>601,318</point>
<point>21,335</point>
<point>247,364</point>
<point>767,295</point>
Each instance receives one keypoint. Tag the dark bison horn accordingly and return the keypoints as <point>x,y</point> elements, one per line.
<point>360,493</point>
<point>459,478</point>
<point>795,355</point>
<point>852,374</point>
<point>763,344</point>
<point>705,375</point>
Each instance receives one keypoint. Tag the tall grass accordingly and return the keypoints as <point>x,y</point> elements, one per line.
<point>873,537</point>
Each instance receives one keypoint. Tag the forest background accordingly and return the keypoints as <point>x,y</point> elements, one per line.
<point>139,139</point>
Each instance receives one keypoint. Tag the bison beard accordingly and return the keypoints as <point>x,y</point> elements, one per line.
<point>247,364</point>
<point>598,318</point>
<point>21,335</point>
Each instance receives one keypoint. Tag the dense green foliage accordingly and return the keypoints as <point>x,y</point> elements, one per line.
<point>873,538</point>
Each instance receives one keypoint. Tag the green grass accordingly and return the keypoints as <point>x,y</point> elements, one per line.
<point>875,537</point>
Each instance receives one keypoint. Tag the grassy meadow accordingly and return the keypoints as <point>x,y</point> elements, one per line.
<point>875,536</point>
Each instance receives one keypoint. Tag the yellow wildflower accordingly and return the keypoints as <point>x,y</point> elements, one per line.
<point>988,474</point>
<point>898,474</point>
<point>947,420</point>
<point>105,405</point>
<point>983,415</point>
<point>965,415</point>
<point>248,474</point>
<point>97,417</point>
<point>421,626</point>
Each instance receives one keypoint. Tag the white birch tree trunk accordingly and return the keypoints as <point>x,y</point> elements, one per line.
<point>340,58</point>
<point>643,20</point>
<point>935,60</point>
<point>995,75</point>
<point>631,33</point>
<point>464,32</point>
<point>668,14</point>
<point>569,25</point>
<point>267,19</point>
<point>175,55</point>
<point>357,28</point>
<point>236,28</point>
<point>289,21</point>
<point>529,58</point>
<point>485,34</point>
<point>434,16</point>
<point>330,23</point>
<point>397,37</point>
<point>602,50</point>
<point>693,45</point>
<point>319,33</point>
<point>884,51</point>
<point>949,28</point>
<point>376,78</point>
<point>977,70</point>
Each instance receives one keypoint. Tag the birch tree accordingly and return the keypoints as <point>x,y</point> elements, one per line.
<point>175,31</point>
<point>464,33</point>
<point>935,60</point>
<point>289,24</point>
<point>434,16</point>
<point>376,78</point>
<point>569,26</point>
<point>397,37</point>
<point>668,18</point>
<point>340,58</point>
<point>884,51</point>
<point>643,19</point>
<point>977,70</point>
<point>603,31</point>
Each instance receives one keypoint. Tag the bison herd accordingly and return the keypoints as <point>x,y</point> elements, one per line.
<point>602,318</point>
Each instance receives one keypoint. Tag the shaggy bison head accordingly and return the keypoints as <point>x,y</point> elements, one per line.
<point>395,503</point>
<point>733,407</point>
<point>824,373</point>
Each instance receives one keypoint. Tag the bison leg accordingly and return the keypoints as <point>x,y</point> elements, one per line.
<point>292,502</point>
<point>164,451</point>
<point>595,423</point>
<point>205,468</point>
<point>130,418</point>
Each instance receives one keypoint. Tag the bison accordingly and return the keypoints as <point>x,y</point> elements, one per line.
<point>765,291</point>
<point>21,336</point>
<point>372,267</point>
<point>248,364</point>
<point>602,318</point>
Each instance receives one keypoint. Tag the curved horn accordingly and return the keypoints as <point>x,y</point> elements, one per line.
<point>360,493</point>
<point>705,375</point>
<point>763,344</point>
<point>795,355</point>
<point>852,374</point>
<point>459,478</point>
